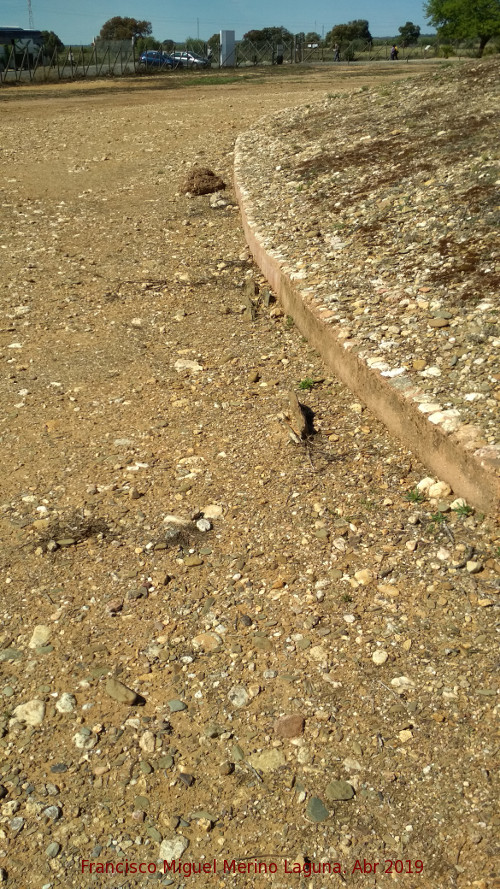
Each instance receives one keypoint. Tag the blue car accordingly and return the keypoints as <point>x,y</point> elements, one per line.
<point>153,58</point>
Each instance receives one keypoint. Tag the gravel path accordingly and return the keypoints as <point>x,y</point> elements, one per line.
<point>219,639</point>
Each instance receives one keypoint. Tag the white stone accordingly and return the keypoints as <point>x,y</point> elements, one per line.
<point>424,485</point>
<point>474,567</point>
<point>401,683</point>
<point>451,421</point>
<point>405,735</point>
<point>32,713</point>
<point>429,407</point>
<point>185,364</point>
<point>147,742</point>
<point>351,764</point>
<point>379,657</point>
<point>443,554</point>
<point>203,525</point>
<point>41,635</point>
<point>238,696</point>
<point>83,741</point>
<point>212,511</point>
<point>268,760</point>
<point>439,490</point>
<point>318,654</point>
<point>176,520</point>
<point>66,703</point>
<point>172,849</point>
<point>364,576</point>
<point>395,372</point>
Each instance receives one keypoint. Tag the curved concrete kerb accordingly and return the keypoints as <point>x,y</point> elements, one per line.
<point>454,451</point>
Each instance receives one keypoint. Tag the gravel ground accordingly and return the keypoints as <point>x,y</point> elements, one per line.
<point>384,205</point>
<point>219,639</point>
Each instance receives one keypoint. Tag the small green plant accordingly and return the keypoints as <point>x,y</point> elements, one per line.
<point>497,553</point>
<point>415,496</point>
<point>289,321</point>
<point>438,518</point>
<point>463,509</point>
<point>306,383</point>
<point>346,598</point>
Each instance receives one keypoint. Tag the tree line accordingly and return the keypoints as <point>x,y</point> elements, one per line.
<point>455,20</point>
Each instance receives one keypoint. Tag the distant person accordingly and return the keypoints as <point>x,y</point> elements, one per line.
<point>336,50</point>
<point>394,53</point>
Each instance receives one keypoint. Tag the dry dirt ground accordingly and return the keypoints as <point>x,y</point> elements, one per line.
<point>218,640</point>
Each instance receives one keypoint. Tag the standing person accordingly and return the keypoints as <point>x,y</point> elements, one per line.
<point>336,50</point>
<point>394,53</point>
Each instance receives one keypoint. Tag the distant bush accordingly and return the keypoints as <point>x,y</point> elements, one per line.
<point>446,50</point>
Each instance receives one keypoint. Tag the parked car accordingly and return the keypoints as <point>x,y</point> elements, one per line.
<point>190,60</point>
<point>153,58</point>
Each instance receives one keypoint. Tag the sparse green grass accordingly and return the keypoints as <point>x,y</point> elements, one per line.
<point>438,518</point>
<point>464,509</point>
<point>214,79</point>
<point>415,496</point>
<point>346,598</point>
<point>306,383</point>
<point>289,321</point>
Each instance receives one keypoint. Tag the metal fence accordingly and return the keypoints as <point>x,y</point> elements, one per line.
<point>72,63</point>
<point>121,58</point>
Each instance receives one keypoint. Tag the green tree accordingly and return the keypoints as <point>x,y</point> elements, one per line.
<point>409,33</point>
<point>194,44</point>
<point>51,43</point>
<point>355,30</point>
<point>270,34</point>
<point>168,45</point>
<point>313,37</point>
<point>145,43</point>
<point>214,44</point>
<point>119,28</point>
<point>465,19</point>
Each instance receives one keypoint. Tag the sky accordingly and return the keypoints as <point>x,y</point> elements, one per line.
<point>79,21</point>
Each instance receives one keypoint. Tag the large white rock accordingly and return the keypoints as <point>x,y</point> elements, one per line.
<point>212,511</point>
<point>439,490</point>
<point>172,849</point>
<point>32,713</point>
<point>424,485</point>
<point>41,635</point>
<point>147,742</point>
<point>268,760</point>
<point>186,364</point>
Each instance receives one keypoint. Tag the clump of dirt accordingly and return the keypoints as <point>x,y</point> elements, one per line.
<point>202,180</point>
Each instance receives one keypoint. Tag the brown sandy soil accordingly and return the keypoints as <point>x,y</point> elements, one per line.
<point>146,375</point>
